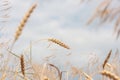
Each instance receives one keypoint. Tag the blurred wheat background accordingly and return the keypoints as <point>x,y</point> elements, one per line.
<point>59,40</point>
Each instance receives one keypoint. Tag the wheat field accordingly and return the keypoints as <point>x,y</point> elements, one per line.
<point>14,66</point>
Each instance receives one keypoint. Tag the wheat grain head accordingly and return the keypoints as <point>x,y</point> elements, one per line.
<point>23,22</point>
<point>59,43</point>
<point>110,75</point>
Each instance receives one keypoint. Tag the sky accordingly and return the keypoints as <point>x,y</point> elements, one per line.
<point>63,20</point>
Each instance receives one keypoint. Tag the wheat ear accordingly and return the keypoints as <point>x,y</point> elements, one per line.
<point>22,65</point>
<point>59,43</point>
<point>23,22</point>
<point>110,75</point>
<point>107,58</point>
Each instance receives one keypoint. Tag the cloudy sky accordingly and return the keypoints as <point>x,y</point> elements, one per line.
<point>64,20</point>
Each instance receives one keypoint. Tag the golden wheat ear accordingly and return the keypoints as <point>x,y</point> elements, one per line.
<point>23,22</point>
<point>22,65</point>
<point>59,43</point>
<point>110,75</point>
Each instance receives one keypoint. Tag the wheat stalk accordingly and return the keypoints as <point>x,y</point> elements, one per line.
<point>59,72</point>
<point>88,77</point>
<point>117,23</point>
<point>4,10</point>
<point>23,22</point>
<point>107,58</point>
<point>59,43</point>
<point>110,75</point>
<point>118,34</point>
<point>3,76</point>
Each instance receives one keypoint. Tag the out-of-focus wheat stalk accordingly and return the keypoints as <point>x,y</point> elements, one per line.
<point>111,68</point>
<point>4,10</point>
<point>107,12</point>
<point>116,27</point>
<point>75,71</point>
<point>59,72</point>
<point>101,10</point>
<point>45,78</point>
<point>3,76</point>
<point>88,77</point>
